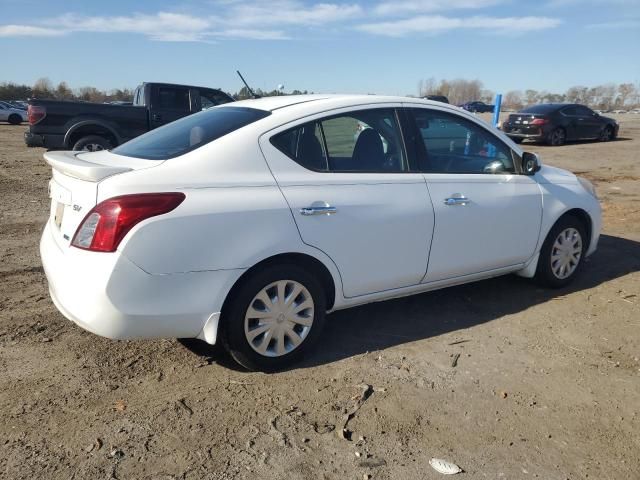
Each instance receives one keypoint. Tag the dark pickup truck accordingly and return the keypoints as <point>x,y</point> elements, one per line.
<point>66,125</point>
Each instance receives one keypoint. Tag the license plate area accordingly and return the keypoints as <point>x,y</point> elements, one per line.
<point>60,198</point>
<point>58,214</point>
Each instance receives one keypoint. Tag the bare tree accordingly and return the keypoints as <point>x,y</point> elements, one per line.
<point>531,96</point>
<point>43,88</point>
<point>63,92</point>
<point>513,100</point>
<point>626,91</point>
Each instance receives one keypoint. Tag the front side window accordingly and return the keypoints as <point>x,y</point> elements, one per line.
<point>189,133</point>
<point>366,141</point>
<point>584,111</point>
<point>448,143</point>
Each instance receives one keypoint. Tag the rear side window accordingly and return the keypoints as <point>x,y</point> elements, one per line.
<point>173,98</point>
<point>189,133</point>
<point>365,141</point>
<point>211,98</point>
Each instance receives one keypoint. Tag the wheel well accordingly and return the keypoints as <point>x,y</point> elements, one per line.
<point>584,218</point>
<point>92,129</point>
<point>306,261</point>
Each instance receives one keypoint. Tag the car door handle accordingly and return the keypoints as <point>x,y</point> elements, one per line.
<point>157,117</point>
<point>457,200</point>
<point>318,210</point>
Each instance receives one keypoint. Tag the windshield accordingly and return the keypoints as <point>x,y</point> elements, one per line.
<point>189,133</point>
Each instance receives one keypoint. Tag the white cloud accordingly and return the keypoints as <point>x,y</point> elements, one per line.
<point>429,6</point>
<point>283,19</point>
<point>436,24</point>
<point>289,12</point>
<point>28,31</point>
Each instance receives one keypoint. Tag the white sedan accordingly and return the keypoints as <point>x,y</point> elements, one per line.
<point>11,114</point>
<point>246,223</point>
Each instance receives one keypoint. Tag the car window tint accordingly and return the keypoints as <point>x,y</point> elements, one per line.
<point>304,144</point>
<point>453,144</point>
<point>361,141</point>
<point>583,111</point>
<point>173,98</point>
<point>211,98</point>
<point>189,133</point>
<point>570,111</point>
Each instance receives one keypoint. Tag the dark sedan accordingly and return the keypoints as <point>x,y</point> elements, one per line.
<point>477,107</point>
<point>557,123</point>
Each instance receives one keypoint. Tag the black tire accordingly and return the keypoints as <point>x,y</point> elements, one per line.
<point>92,143</point>
<point>14,119</point>
<point>517,140</point>
<point>606,134</point>
<point>545,275</point>
<point>557,137</point>
<point>233,317</point>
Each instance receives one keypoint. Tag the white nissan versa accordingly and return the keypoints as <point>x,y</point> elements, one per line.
<point>247,222</point>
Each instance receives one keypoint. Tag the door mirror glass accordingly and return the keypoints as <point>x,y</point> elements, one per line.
<point>531,163</point>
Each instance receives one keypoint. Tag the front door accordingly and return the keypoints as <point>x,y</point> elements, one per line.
<point>347,181</point>
<point>486,216</point>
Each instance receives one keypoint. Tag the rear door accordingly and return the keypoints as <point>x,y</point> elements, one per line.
<point>169,103</point>
<point>346,178</point>
<point>486,216</point>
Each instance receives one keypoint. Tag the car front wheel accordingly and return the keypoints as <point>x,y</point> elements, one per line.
<point>562,253</point>
<point>274,317</point>
<point>606,134</point>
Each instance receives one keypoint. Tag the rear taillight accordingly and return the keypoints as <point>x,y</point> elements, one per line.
<point>107,223</point>
<point>35,113</point>
<point>540,121</point>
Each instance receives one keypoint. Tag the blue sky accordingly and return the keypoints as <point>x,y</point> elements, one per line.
<point>375,46</point>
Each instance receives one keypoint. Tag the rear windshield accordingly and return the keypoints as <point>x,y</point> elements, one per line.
<point>189,133</point>
<point>540,108</point>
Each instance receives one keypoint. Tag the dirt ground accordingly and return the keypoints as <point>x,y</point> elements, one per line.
<point>501,377</point>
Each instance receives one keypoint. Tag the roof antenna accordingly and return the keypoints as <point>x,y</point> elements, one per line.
<point>253,94</point>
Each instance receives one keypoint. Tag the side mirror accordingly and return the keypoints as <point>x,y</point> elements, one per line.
<point>531,163</point>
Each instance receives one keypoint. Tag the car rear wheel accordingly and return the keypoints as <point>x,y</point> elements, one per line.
<point>14,119</point>
<point>274,317</point>
<point>562,253</point>
<point>92,143</point>
<point>557,137</point>
<point>606,134</point>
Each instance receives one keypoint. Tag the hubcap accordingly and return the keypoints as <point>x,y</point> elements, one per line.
<point>566,253</point>
<point>93,147</point>
<point>558,137</point>
<point>279,318</point>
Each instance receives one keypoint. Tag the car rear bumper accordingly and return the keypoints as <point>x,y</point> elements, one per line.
<point>48,141</point>
<point>107,294</point>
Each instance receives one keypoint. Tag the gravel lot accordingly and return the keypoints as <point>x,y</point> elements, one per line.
<point>546,385</point>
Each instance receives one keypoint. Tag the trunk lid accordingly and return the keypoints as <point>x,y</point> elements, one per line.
<point>73,188</point>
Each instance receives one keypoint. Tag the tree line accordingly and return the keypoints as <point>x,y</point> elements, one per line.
<point>44,88</point>
<point>602,97</point>
<point>458,91</point>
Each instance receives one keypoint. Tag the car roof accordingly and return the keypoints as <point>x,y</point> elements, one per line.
<point>321,102</point>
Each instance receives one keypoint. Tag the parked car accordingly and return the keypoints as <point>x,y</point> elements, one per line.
<point>619,111</point>
<point>244,224</point>
<point>557,123</point>
<point>477,107</point>
<point>88,126</point>
<point>8,113</point>
<point>437,98</point>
